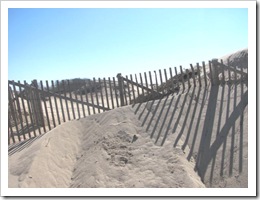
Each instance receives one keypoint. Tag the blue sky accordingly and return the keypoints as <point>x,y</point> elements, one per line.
<point>55,44</point>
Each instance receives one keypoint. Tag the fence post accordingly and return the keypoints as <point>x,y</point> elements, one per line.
<point>215,72</point>
<point>120,87</point>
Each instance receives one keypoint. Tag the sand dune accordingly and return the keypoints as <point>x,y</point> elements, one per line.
<point>193,139</point>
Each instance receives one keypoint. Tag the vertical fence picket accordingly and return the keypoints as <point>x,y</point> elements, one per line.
<point>160,73</point>
<point>19,110</point>
<point>36,109</point>
<point>81,99</point>
<point>172,88</point>
<point>120,88</point>
<point>193,75</point>
<point>132,85</point>
<point>45,106</point>
<point>198,72</point>
<point>24,110</point>
<point>111,92</point>
<point>86,96</point>
<point>27,94</point>
<point>177,77</point>
<point>166,85</point>
<point>52,114</point>
<point>101,93</point>
<point>11,135</point>
<point>96,94</point>
<point>91,95</point>
<point>151,81</point>
<point>205,73</point>
<point>235,74</point>
<point>62,110</point>
<point>66,101</point>
<point>105,84</point>
<point>156,81</point>
<point>128,90</point>
<point>75,86</point>
<point>125,95</point>
<point>182,79</point>
<point>187,74</point>
<point>14,113</point>
<point>115,89</point>
<point>146,82</point>
<point>69,89</point>
<point>222,72</point>
<point>55,102</point>
<point>138,92</point>
<point>210,74</point>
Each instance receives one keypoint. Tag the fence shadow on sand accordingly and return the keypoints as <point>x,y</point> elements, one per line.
<point>208,123</point>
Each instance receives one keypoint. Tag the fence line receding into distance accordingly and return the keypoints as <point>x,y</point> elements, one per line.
<point>34,109</point>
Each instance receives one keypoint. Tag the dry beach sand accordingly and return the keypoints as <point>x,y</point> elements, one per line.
<point>193,139</point>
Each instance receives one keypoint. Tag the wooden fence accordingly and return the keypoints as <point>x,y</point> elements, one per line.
<point>34,109</point>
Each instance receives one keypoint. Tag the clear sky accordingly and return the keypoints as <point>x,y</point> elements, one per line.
<point>55,44</point>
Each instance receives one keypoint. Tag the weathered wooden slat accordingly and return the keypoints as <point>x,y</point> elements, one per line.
<point>81,99</point>
<point>105,84</point>
<point>160,74</point>
<point>205,73</point>
<point>140,75</point>
<point>229,76</point>
<point>45,107</point>
<point>36,109</point>
<point>52,114</point>
<point>146,82</point>
<point>124,92</point>
<point>128,88</point>
<point>176,75</point>
<point>188,78</point>
<point>115,88</point>
<point>182,79</point>
<point>193,75</point>
<point>133,90</point>
<point>27,94</point>
<point>25,114</point>
<point>91,95</point>
<point>120,88</point>
<point>19,111</point>
<point>101,93</point>
<point>111,93</point>
<point>171,77</point>
<point>136,81</point>
<point>11,134</point>
<point>222,72</point>
<point>96,93</point>
<point>166,78</point>
<point>55,102</point>
<point>66,99</point>
<point>60,97</point>
<point>198,72</point>
<point>76,85</point>
<point>71,102</point>
<point>235,74</point>
<point>151,81</point>
<point>13,110</point>
<point>86,96</point>
<point>156,81</point>
<point>210,74</point>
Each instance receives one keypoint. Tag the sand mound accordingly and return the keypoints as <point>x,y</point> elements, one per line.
<point>104,150</point>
